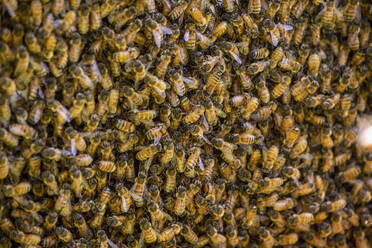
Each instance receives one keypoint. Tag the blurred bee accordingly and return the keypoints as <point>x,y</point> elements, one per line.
<point>299,8</point>
<point>254,7</point>
<point>8,138</point>
<point>25,239</point>
<point>219,30</point>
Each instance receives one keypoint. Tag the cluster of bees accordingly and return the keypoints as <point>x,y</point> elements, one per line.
<point>174,123</point>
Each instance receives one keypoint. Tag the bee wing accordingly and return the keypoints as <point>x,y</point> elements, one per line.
<point>339,15</point>
<point>157,38</point>
<point>236,57</point>
<point>148,66</point>
<point>187,81</point>
<point>274,38</point>
<point>358,15</point>
<point>73,147</point>
<point>205,124</point>
<point>200,164</point>
<point>186,36</point>
<point>112,244</point>
<point>9,9</point>
<point>319,16</point>
<point>125,206</point>
<point>135,196</point>
<point>40,92</point>
<point>166,30</point>
<point>157,140</point>
<point>286,27</point>
<point>64,113</point>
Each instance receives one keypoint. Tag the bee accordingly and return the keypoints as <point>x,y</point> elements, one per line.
<point>23,60</point>
<point>83,21</point>
<point>328,15</point>
<point>271,157</point>
<point>51,183</point>
<point>351,11</point>
<point>263,91</point>
<point>32,43</point>
<point>303,218</point>
<point>162,67</point>
<point>266,237</point>
<point>50,220</point>
<point>63,234</point>
<point>273,9</point>
<point>219,30</point>
<point>280,88</point>
<point>17,190</point>
<point>313,64</point>
<point>276,57</point>
<point>149,233</point>
<point>243,138</point>
<point>197,16</point>
<point>254,7</point>
<point>105,9</point>
<point>8,138</point>
<point>299,8</point>
<point>194,115</point>
<point>189,235</point>
<point>25,239</point>
<point>175,79</point>
<point>157,31</point>
<point>257,67</point>
<point>23,130</point>
<point>81,225</point>
<point>95,17</point>
<point>125,56</point>
<point>311,238</point>
<point>216,239</point>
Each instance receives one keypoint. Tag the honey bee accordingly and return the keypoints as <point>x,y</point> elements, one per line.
<point>8,138</point>
<point>313,64</point>
<point>63,234</point>
<point>149,233</point>
<point>25,239</point>
<point>177,82</point>
<point>218,30</point>
<point>51,183</point>
<point>257,67</point>
<point>81,225</point>
<point>217,239</point>
<point>313,239</point>
<point>83,21</point>
<point>23,60</point>
<point>157,31</point>
<point>254,7</point>
<point>63,202</point>
<point>4,166</point>
<point>50,220</point>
